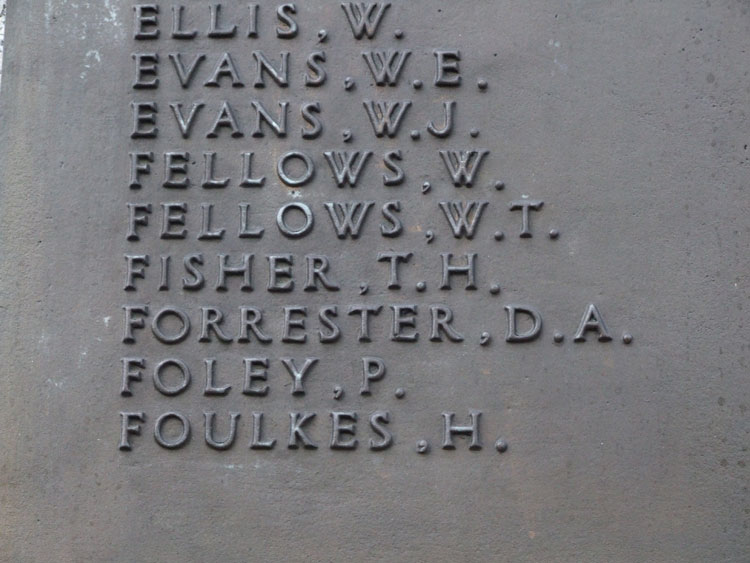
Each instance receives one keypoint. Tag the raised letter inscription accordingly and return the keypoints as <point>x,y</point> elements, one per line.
<point>315,231</point>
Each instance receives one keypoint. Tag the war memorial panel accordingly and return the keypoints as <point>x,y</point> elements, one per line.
<point>374,281</point>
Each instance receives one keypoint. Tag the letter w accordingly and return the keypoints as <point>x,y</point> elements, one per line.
<point>347,218</point>
<point>386,66</point>
<point>386,116</point>
<point>463,165</point>
<point>345,166</point>
<point>463,216</point>
<point>362,19</point>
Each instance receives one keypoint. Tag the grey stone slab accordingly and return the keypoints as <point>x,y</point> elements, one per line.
<point>627,120</point>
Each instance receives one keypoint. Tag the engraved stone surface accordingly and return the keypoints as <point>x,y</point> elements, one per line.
<point>374,281</point>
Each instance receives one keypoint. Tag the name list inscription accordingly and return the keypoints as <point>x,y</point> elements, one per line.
<point>258,79</point>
